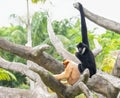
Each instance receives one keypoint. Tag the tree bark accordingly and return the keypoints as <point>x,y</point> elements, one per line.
<point>101,21</point>
<point>6,92</point>
<point>105,84</point>
<point>116,69</point>
<point>35,54</point>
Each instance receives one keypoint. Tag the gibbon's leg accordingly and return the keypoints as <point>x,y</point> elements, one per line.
<point>64,75</point>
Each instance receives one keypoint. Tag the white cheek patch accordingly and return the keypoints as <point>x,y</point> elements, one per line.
<point>83,50</point>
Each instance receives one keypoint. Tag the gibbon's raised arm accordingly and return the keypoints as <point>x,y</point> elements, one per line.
<point>79,7</point>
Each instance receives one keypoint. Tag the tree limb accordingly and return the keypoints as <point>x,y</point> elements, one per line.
<point>62,90</point>
<point>116,69</point>
<point>104,84</point>
<point>6,92</point>
<point>58,44</point>
<point>85,89</point>
<point>106,23</point>
<point>42,59</point>
<point>19,67</point>
<point>53,83</point>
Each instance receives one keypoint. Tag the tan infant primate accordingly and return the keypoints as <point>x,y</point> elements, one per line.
<point>70,73</point>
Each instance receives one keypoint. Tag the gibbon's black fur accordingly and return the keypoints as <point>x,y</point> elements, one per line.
<point>84,53</point>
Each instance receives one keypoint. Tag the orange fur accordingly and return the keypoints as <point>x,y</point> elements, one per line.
<point>71,72</point>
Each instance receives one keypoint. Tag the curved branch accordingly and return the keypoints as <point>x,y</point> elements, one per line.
<point>58,44</point>
<point>85,89</point>
<point>104,84</point>
<point>116,69</point>
<point>53,83</point>
<point>19,67</point>
<point>39,49</point>
<point>106,23</point>
<point>41,58</point>
<point>98,48</point>
<point>62,90</point>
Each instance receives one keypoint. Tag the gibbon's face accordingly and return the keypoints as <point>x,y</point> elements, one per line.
<point>65,62</point>
<point>81,48</point>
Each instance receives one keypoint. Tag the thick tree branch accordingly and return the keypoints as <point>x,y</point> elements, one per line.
<point>116,69</point>
<point>106,23</point>
<point>62,90</point>
<point>6,92</point>
<point>85,89</point>
<point>42,59</point>
<point>24,69</point>
<point>105,84</point>
<point>53,83</point>
<point>19,67</point>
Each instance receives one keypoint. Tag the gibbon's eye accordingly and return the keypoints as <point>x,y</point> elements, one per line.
<point>83,50</point>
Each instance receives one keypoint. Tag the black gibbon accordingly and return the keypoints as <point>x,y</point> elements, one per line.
<point>84,53</point>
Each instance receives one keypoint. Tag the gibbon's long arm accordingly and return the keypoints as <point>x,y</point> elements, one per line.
<point>79,7</point>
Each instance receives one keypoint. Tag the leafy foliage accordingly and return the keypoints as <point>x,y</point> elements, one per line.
<point>6,75</point>
<point>110,42</point>
<point>39,28</point>
<point>15,34</point>
<point>108,63</point>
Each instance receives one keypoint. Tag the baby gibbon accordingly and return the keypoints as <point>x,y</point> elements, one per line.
<point>71,72</point>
